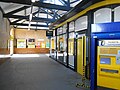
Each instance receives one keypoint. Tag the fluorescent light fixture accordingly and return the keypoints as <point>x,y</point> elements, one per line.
<point>28,29</point>
<point>33,1</point>
<point>30,17</point>
<point>29,26</point>
<point>33,27</point>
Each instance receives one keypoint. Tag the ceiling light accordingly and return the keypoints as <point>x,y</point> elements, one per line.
<point>29,25</point>
<point>30,17</point>
<point>28,29</point>
<point>33,1</point>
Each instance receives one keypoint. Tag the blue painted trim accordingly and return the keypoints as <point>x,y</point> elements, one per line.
<point>64,2</point>
<point>106,27</point>
<point>92,65</point>
<point>106,35</point>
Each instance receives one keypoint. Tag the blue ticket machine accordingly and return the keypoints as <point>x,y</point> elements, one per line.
<point>105,56</point>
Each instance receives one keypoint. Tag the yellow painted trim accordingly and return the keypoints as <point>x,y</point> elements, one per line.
<point>97,5</point>
<point>80,55</point>
<point>81,50</point>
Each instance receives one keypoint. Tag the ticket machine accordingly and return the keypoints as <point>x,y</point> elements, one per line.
<point>108,63</point>
<point>105,56</point>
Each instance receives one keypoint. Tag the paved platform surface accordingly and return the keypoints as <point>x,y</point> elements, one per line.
<point>37,73</point>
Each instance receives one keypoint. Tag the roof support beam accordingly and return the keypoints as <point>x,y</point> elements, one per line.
<point>27,15</point>
<point>74,1</point>
<point>39,4</point>
<point>27,18</point>
<point>56,13</point>
<point>68,3</point>
<point>38,15</point>
<point>16,21</point>
<point>51,14</point>
<point>17,10</point>
<point>63,2</point>
<point>52,6</point>
<point>19,24</point>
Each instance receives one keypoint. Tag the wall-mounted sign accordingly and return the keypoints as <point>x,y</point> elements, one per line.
<point>49,33</point>
<point>109,43</point>
<point>21,43</point>
<point>39,43</point>
<point>47,44</point>
<point>43,45</point>
<point>31,43</point>
<point>40,40</point>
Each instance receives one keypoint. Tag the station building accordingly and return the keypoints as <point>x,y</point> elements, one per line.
<point>60,45</point>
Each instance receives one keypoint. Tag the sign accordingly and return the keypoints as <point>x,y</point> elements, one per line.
<point>47,44</point>
<point>21,43</point>
<point>31,43</point>
<point>11,37</point>
<point>109,43</point>
<point>42,45</point>
<point>49,33</point>
<point>40,40</point>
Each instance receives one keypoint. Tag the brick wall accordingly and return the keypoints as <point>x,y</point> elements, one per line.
<point>26,34</point>
<point>31,50</point>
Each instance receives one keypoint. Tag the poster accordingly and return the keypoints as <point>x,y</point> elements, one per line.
<point>42,45</point>
<point>47,44</point>
<point>21,43</point>
<point>31,43</point>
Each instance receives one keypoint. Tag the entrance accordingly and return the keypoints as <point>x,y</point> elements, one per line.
<point>71,52</point>
<point>81,54</point>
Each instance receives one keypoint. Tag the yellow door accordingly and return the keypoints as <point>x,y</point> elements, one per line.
<point>71,52</point>
<point>81,54</point>
<point>71,46</point>
<point>52,44</point>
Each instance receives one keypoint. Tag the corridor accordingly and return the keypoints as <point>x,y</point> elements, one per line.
<point>37,73</point>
